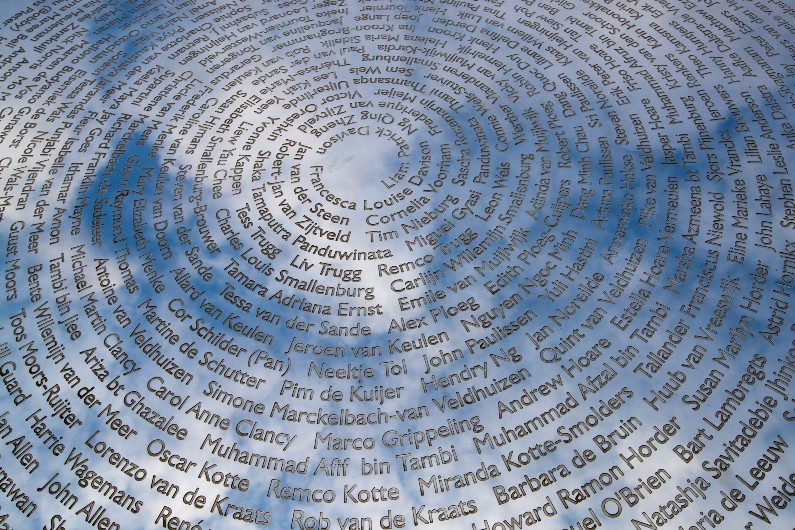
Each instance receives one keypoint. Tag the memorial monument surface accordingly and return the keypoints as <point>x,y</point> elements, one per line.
<point>367,264</point>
